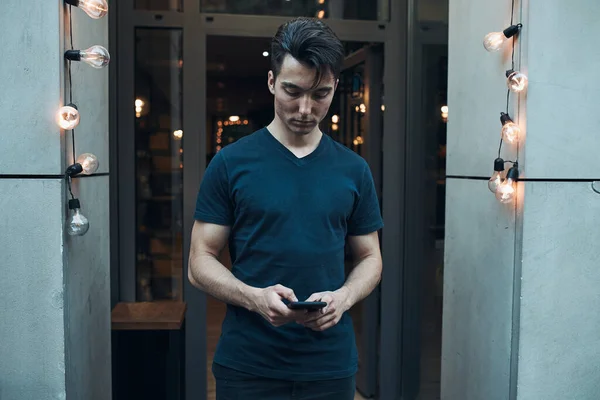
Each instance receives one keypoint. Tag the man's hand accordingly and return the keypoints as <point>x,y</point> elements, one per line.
<point>330,315</point>
<point>269,303</point>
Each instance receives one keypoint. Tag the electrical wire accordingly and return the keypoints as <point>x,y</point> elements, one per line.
<point>71,79</point>
<point>512,16</point>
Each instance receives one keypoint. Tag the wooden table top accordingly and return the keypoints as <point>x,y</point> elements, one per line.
<point>159,315</point>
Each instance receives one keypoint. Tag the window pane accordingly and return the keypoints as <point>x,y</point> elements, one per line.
<point>159,163</point>
<point>159,5</point>
<point>336,9</point>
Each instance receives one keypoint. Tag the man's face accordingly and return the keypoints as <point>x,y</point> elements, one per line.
<point>299,107</point>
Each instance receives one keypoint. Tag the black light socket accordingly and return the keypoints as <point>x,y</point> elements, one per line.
<point>72,105</point>
<point>73,55</point>
<point>505,118</point>
<point>513,173</point>
<point>512,30</point>
<point>509,72</point>
<point>74,204</point>
<point>498,165</point>
<point>74,3</point>
<point>74,169</point>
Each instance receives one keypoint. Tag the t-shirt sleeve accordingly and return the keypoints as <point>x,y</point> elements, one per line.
<point>366,216</point>
<point>213,204</point>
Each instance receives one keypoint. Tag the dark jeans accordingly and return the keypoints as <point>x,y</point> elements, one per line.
<point>237,385</point>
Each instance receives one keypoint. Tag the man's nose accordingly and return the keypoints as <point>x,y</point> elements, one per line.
<point>305,105</point>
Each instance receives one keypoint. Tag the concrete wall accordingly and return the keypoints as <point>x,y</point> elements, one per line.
<point>54,291</point>
<point>521,299</point>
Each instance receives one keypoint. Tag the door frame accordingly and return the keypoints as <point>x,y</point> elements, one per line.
<point>394,34</point>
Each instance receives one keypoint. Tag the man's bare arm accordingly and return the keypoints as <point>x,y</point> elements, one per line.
<point>206,272</point>
<point>361,281</point>
<point>366,273</point>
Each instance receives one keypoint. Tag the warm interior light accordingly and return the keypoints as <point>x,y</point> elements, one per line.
<point>234,118</point>
<point>178,134</point>
<point>335,119</point>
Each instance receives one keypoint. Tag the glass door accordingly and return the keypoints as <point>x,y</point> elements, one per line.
<point>357,122</point>
<point>170,123</point>
<point>158,164</point>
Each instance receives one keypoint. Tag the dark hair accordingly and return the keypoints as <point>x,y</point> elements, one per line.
<point>310,41</point>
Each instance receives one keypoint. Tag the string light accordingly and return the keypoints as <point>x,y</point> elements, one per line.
<point>95,56</point>
<point>516,81</point>
<point>68,116</point>
<point>93,8</point>
<point>496,179</point>
<point>510,130</point>
<point>77,224</point>
<point>505,193</point>
<point>504,187</point>
<point>495,40</point>
<point>86,164</point>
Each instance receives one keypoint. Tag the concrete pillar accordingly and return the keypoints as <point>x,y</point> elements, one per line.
<point>54,290</point>
<point>521,293</point>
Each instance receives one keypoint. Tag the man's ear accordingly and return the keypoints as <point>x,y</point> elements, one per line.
<point>271,82</point>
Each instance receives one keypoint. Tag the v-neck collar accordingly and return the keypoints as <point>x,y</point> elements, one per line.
<point>291,156</point>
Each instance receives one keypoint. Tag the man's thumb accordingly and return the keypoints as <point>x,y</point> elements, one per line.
<point>285,292</point>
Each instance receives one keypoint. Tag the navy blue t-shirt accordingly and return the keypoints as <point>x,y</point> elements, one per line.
<point>289,219</point>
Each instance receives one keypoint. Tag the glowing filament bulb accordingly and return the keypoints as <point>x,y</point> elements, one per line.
<point>506,191</point>
<point>95,56</point>
<point>496,179</point>
<point>510,130</point>
<point>68,117</point>
<point>516,81</point>
<point>493,41</point>
<point>93,8</point>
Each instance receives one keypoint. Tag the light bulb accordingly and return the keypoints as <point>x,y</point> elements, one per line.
<point>506,191</point>
<point>68,117</point>
<point>94,8</point>
<point>77,224</point>
<point>96,56</point>
<point>510,130</point>
<point>493,41</point>
<point>89,163</point>
<point>86,164</point>
<point>497,179</point>
<point>516,81</point>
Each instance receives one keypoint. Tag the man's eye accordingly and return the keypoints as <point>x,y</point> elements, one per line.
<point>320,95</point>
<point>293,94</point>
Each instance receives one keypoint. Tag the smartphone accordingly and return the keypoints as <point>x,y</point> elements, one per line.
<point>307,305</point>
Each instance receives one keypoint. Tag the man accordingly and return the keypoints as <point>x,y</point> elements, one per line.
<point>286,198</point>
